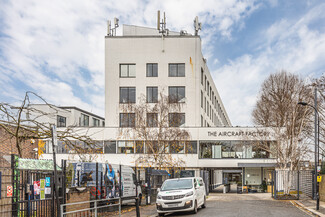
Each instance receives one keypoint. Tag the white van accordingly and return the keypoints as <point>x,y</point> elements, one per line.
<point>183,194</point>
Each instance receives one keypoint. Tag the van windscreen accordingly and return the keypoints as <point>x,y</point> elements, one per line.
<point>177,184</point>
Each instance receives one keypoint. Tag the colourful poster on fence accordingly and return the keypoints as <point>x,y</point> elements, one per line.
<point>42,184</point>
<point>42,195</point>
<point>47,181</point>
<point>47,190</point>
<point>37,187</point>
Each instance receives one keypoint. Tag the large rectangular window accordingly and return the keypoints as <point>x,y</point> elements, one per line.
<point>152,70</point>
<point>127,119</point>
<point>127,95</point>
<point>96,122</point>
<point>191,147</point>
<point>152,120</point>
<point>177,70</point>
<point>127,70</point>
<point>234,149</point>
<point>139,147</point>
<point>176,147</point>
<point>176,119</point>
<point>152,94</point>
<point>61,121</point>
<point>176,94</point>
<point>126,147</point>
<point>202,75</point>
<point>84,120</point>
<point>110,147</point>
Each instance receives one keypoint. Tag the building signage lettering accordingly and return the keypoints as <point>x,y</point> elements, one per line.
<point>238,133</point>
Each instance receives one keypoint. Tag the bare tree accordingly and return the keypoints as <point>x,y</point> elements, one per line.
<point>291,124</point>
<point>18,125</point>
<point>157,129</point>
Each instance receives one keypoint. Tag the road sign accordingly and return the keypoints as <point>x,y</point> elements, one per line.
<point>9,191</point>
<point>318,169</point>
<point>319,178</point>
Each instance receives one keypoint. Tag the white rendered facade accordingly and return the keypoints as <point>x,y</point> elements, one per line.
<point>64,116</point>
<point>140,46</point>
<point>206,119</point>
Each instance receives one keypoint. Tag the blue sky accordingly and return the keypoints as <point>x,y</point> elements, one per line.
<point>56,48</point>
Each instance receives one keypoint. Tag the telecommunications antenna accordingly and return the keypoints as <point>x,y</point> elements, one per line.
<point>111,31</point>
<point>197,25</point>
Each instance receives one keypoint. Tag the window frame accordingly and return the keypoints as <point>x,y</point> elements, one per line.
<point>128,120</point>
<point>154,99</point>
<point>177,98</point>
<point>128,70</point>
<point>181,119</point>
<point>152,70</point>
<point>59,122</point>
<point>177,69</point>
<point>128,95</point>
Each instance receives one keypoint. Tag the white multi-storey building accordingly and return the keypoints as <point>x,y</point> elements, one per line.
<point>144,62</point>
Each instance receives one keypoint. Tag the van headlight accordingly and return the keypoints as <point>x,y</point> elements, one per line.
<point>159,196</point>
<point>189,194</point>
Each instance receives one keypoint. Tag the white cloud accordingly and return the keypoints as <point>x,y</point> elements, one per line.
<point>46,44</point>
<point>291,45</point>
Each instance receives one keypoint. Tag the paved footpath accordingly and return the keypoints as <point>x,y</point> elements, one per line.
<point>260,204</point>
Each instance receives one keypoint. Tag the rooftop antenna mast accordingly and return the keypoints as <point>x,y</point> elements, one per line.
<point>197,25</point>
<point>161,24</point>
<point>112,31</point>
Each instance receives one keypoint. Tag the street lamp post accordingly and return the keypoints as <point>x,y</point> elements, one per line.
<point>316,183</point>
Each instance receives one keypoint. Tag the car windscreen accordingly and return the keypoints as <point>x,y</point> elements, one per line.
<point>177,184</point>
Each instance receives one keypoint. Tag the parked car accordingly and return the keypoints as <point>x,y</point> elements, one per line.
<point>182,194</point>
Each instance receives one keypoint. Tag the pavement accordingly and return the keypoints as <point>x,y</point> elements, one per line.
<point>259,204</point>
<point>309,205</point>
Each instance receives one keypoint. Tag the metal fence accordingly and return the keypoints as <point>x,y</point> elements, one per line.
<point>291,184</point>
<point>94,208</point>
<point>18,197</point>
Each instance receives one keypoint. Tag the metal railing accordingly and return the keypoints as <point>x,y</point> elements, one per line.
<point>95,207</point>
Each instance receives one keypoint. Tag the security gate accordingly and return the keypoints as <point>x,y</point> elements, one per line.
<point>32,183</point>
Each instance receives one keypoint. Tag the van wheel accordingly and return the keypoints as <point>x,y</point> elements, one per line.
<point>161,214</point>
<point>195,207</point>
<point>203,205</point>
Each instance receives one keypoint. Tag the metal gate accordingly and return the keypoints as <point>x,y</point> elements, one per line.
<point>296,182</point>
<point>26,198</point>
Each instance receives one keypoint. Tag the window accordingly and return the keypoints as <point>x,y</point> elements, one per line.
<point>61,121</point>
<point>205,83</point>
<point>176,119</point>
<point>127,94</point>
<point>201,99</point>
<point>95,122</point>
<point>152,120</point>
<point>207,110</point>
<point>126,147</point>
<point>177,70</point>
<point>152,94</point>
<point>139,147</point>
<point>103,123</point>
<point>127,70</point>
<point>176,94</point>
<point>191,147</point>
<point>201,121</point>
<point>202,74</point>
<point>208,88</point>
<point>84,120</point>
<point>210,93</point>
<point>152,70</point>
<point>127,119</point>
<point>176,147</point>
<point>110,147</point>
